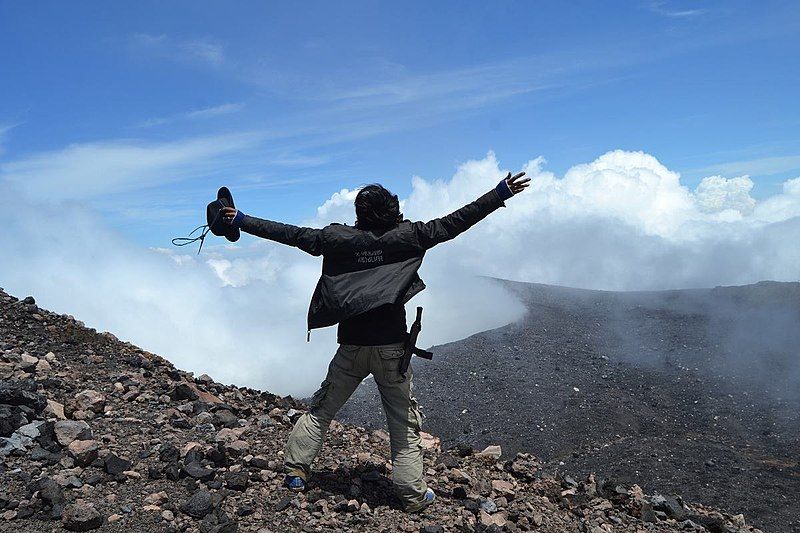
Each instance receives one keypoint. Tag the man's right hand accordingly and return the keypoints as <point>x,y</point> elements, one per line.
<point>511,185</point>
<point>516,184</point>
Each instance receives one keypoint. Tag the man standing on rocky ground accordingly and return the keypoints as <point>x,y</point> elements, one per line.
<point>369,272</point>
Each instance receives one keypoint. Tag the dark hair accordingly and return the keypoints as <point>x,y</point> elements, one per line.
<point>377,208</point>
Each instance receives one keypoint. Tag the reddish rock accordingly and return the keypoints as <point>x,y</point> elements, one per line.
<point>83,451</point>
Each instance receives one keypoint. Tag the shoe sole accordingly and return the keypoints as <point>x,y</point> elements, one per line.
<point>424,505</point>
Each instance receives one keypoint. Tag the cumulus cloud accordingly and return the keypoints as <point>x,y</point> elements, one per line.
<point>783,206</point>
<point>716,194</point>
<point>623,221</point>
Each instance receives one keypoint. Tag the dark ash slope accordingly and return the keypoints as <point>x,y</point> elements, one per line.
<point>693,392</point>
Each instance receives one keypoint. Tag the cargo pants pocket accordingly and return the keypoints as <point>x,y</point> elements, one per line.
<point>319,396</point>
<point>390,364</point>
<point>415,416</point>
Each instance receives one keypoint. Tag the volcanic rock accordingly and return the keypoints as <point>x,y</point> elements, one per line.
<point>81,517</point>
<point>199,504</point>
<point>90,400</point>
<point>42,367</point>
<point>459,476</point>
<point>67,431</point>
<point>169,453</point>
<point>236,448</point>
<point>286,501</point>
<point>11,418</point>
<point>225,419</point>
<point>491,452</point>
<point>22,393</point>
<point>52,496</point>
<point>237,480</point>
<point>503,488</point>
<point>15,444</point>
<point>498,519</point>
<point>27,363</point>
<point>114,465</point>
<point>30,430</point>
<point>218,522</point>
<point>670,506</point>
<point>156,498</point>
<point>54,409</point>
<point>488,505</point>
<point>182,391</point>
<point>83,451</point>
<point>197,471</point>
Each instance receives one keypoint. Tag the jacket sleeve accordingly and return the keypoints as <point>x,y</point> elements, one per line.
<point>307,239</point>
<point>439,230</point>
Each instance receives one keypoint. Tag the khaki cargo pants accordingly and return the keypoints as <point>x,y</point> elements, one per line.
<point>349,367</point>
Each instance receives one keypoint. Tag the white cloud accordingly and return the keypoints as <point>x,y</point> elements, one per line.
<point>716,194</point>
<point>216,111</point>
<point>4,129</point>
<point>668,9</point>
<point>93,169</point>
<point>762,166</point>
<point>623,221</point>
<point>336,208</point>
<point>205,50</point>
<point>195,114</point>
<point>782,206</point>
<point>198,50</point>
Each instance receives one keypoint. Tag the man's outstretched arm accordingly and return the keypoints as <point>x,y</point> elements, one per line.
<point>307,239</point>
<point>439,230</point>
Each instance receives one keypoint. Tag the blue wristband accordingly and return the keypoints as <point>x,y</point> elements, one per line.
<point>504,190</point>
<point>237,220</point>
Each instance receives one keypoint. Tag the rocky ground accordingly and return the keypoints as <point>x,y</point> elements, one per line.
<point>98,434</point>
<point>691,392</point>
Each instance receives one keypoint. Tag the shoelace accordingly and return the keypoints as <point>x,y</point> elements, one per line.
<point>183,241</point>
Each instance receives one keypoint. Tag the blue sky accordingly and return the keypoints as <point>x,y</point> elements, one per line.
<point>119,121</point>
<point>141,110</point>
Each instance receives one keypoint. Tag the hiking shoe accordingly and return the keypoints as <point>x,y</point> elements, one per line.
<point>427,500</point>
<point>294,483</point>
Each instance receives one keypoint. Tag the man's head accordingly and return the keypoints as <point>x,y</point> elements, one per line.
<point>377,208</point>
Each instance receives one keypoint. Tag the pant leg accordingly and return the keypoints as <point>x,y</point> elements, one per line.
<point>404,420</point>
<point>345,372</point>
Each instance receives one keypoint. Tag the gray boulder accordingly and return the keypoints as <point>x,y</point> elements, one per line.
<point>81,517</point>
<point>67,431</point>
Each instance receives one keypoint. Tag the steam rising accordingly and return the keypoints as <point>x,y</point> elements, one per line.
<point>623,221</point>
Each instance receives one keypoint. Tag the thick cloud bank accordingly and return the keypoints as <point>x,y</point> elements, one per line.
<point>623,221</point>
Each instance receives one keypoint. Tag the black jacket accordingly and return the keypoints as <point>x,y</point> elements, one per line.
<point>364,269</point>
